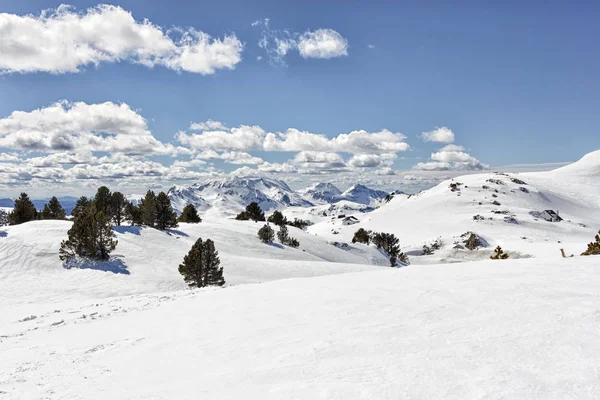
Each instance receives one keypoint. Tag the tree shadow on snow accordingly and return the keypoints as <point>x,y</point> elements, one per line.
<point>3,234</point>
<point>115,265</point>
<point>135,230</point>
<point>279,246</point>
<point>176,232</point>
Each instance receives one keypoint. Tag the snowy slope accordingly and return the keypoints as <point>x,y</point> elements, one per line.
<point>515,329</point>
<point>364,195</point>
<point>320,193</point>
<point>231,195</point>
<point>506,211</point>
<point>327,193</point>
<point>146,260</point>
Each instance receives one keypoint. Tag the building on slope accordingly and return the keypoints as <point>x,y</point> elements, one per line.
<point>550,216</point>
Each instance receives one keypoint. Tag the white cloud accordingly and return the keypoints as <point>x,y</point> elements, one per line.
<point>365,161</point>
<point>385,171</point>
<point>208,125</point>
<point>232,157</point>
<point>243,138</point>
<point>63,40</point>
<point>322,43</point>
<point>331,160</point>
<point>438,135</point>
<point>277,168</point>
<point>81,127</point>
<point>451,158</point>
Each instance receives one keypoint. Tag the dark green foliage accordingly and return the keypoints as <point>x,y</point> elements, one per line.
<point>89,237</point>
<point>117,207</point>
<point>277,218</point>
<point>24,211</point>
<point>53,210</point>
<point>266,234</point>
<point>190,215</point>
<point>499,254</point>
<point>103,200</point>
<point>165,216</point>
<point>389,243</point>
<point>148,209</point>
<point>201,265</point>
<point>299,223</point>
<point>593,248</point>
<point>252,212</point>
<point>3,218</point>
<point>427,250</point>
<point>133,214</point>
<point>79,206</point>
<point>285,238</point>
<point>362,236</point>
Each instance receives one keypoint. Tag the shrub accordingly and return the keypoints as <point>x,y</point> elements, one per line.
<point>593,248</point>
<point>278,219</point>
<point>200,266</point>
<point>266,234</point>
<point>499,254</point>
<point>190,215</point>
<point>252,212</point>
<point>285,238</point>
<point>361,236</point>
<point>299,223</point>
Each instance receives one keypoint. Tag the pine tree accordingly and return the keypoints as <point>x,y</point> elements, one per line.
<point>362,236</point>
<point>148,208</point>
<point>103,201</point>
<point>190,215</point>
<point>117,205</point>
<point>200,266</point>
<point>593,248</point>
<point>53,210</point>
<point>79,206</point>
<point>499,254</point>
<point>277,218</point>
<point>133,214</point>
<point>389,243</point>
<point>3,218</point>
<point>266,234</point>
<point>283,235</point>
<point>253,212</point>
<point>89,237</point>
<point>165,216</point>
<point>23,211</point>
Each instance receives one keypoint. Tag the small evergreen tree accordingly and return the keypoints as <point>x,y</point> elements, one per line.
<point>117,206</point>
<point>53,210</point>
<point>293,242</point>
<point>133,214</point>
<point>299,223</point>
<point>190,215</point>
<point>3,218</point>
<point>389,243</point>
<point>285,238</point>
<point>266,234</point>
<point>593,248</point>
<point>362,236</point>
<point>89,237</point>
<point>200,266</point>
<point>148,209</point>
<point>499,254</point>
<point>23,211</point>
<point>277,218</point>
<point>79,206</point>
<point>253,212</point>
<point>165,216</point>
<point>103,200</point>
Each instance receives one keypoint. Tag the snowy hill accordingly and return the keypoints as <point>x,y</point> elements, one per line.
<point>231,195</point>
<point>322,193</point>
<point>364,195</point>
<point>503,209</point>
<point>327,193</point>
<point>514,329</point>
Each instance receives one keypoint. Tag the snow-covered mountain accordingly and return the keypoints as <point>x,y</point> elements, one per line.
<point>328,193</point>
<point>230,195</point>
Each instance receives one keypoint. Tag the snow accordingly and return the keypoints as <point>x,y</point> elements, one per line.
<point>494,329</point>
<point>328,320</point>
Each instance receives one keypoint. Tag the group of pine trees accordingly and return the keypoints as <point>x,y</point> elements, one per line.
<point>387,242</point>
<point>24,211</point>
<point>267,235</point>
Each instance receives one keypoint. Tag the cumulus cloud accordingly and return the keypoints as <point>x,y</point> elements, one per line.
<point>365,161</point>
<point>64,40</point>
<point>208,125</point>
<point>232,157</point>
<point>438,135</point>
<point>81,127</point>
<point>451,158</point>
<point>242,138</point>
<point>385,171</point>
<point>321,43</point>
<point>277,168</point>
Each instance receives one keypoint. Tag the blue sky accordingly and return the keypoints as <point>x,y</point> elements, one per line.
<point>516,84</point>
